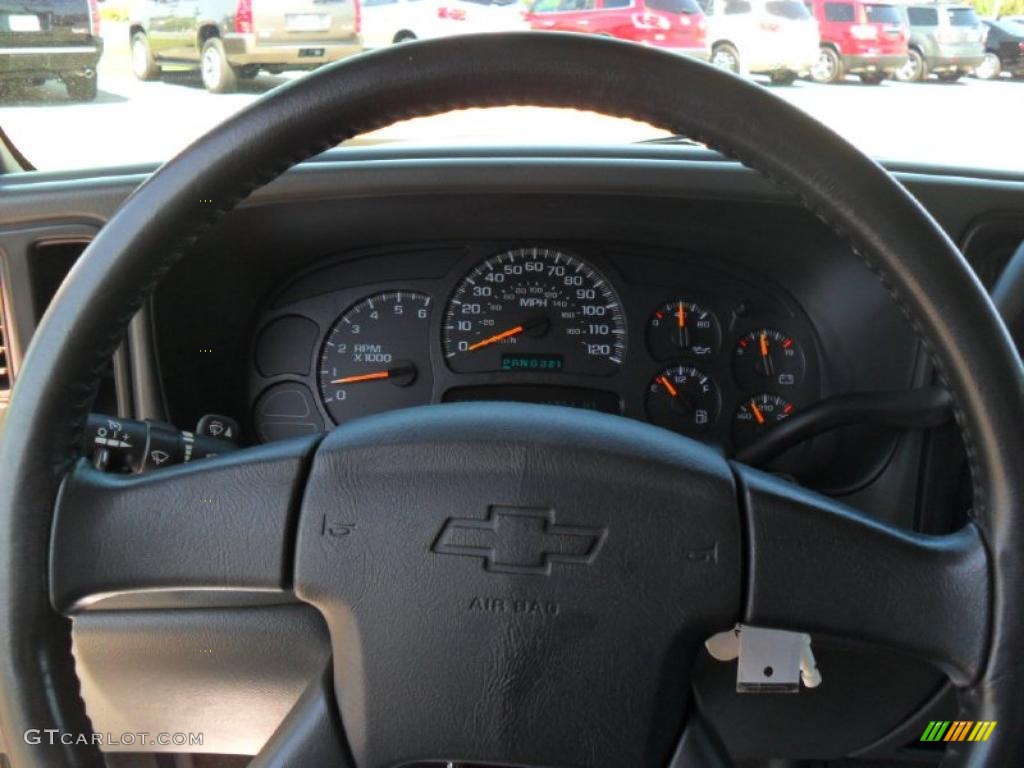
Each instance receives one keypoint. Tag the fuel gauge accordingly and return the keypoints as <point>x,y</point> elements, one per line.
<point>683,399</point>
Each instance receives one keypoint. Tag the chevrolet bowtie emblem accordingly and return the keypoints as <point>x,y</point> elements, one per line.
<point>519,540</point>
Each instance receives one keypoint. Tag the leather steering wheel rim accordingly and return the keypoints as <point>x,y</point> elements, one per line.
<point>866,207</point>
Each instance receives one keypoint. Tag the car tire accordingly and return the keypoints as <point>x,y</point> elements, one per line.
<point>81,87</point>
<point>872,78</point>
<point>404,37</point>
<point>783,77</point>
<point>990,68</point>
<point>915,70</point>
<point>949,77</point>
<point>725,56</point>
<point>144,66</point>
<point>216,71</point>
<point>829,66</point>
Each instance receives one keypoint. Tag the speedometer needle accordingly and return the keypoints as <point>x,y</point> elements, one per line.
<point>496,338</point>
<point>539,324</point>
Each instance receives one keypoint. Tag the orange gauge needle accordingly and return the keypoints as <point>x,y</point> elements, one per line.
<point>663,380</point>
<point>764,344</point>
<point>363,377</point>
<point>402,374</point>
<point>496,338</point>
<point>757,413</point>
<point>681,315</point>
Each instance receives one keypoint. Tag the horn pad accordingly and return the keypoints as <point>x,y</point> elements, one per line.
<point>516,584</point>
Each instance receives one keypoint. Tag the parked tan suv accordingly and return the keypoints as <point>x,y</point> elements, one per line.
<point>232,39</point>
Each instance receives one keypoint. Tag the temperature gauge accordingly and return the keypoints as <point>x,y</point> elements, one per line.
<point>756,416</point>
<point>681,326</point>
<point>767,357</point>
<point>683,399</point>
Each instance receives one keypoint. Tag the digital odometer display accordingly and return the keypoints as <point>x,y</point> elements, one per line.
<point>529,362</point>
<point>534,306</point>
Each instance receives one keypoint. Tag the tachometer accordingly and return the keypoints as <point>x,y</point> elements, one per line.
<point>376,356</point>
<point>534,309</point>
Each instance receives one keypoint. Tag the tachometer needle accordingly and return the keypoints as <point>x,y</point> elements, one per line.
<point>390,373</point>
<point>761,420</point>
<point>663,380</point>
<point>363,377</point>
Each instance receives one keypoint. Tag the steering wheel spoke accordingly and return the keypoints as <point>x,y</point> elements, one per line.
<point>817,565</point>
<point>310,734</point>
<point>219,524</point>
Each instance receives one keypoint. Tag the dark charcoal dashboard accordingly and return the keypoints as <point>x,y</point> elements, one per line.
<point>660,283</point>
<point>702,349</point>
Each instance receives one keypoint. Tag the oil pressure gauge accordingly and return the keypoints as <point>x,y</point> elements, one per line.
<point>681,327</point>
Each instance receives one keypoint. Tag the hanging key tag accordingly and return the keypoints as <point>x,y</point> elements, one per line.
<point>769,660</point>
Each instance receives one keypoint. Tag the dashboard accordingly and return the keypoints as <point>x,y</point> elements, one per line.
<point>711,353</point>
<point>251,323</point>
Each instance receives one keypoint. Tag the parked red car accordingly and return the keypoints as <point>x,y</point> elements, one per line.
<point>676,25</point>
<point>859,38</point>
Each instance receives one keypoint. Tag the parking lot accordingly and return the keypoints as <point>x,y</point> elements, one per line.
<point>971,122</point>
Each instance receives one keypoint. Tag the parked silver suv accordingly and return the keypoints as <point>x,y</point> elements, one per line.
<point>945,40</point>
<point>232,39</point>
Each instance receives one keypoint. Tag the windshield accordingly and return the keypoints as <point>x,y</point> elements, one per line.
<point>787,9</point>
<point>671,6</point>
<point>963,17</point>
<point>119,83</point>
<point>883,14</point>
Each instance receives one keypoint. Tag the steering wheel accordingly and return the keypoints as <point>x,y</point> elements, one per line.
<point>509,584</point>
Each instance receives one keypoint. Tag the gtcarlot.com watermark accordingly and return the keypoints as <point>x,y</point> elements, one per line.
<point>52,736</point>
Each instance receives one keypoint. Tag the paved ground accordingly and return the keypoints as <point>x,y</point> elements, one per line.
<point>966,123</point>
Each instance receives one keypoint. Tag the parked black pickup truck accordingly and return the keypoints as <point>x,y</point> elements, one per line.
<point>46,39</point>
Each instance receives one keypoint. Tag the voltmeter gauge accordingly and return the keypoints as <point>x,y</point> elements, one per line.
<point>681,327</point>
<point>767,357</point>
<point>683,399</point>
<point>756,416</point>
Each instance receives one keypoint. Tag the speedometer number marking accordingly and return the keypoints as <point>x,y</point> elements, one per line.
<point>534,309</point>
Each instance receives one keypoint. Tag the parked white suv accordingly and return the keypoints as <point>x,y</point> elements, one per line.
<point>778,38</point>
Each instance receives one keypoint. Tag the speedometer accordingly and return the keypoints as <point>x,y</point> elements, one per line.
<point>534,309</point>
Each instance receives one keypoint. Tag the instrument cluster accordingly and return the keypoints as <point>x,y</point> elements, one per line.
<point>683,342</point>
